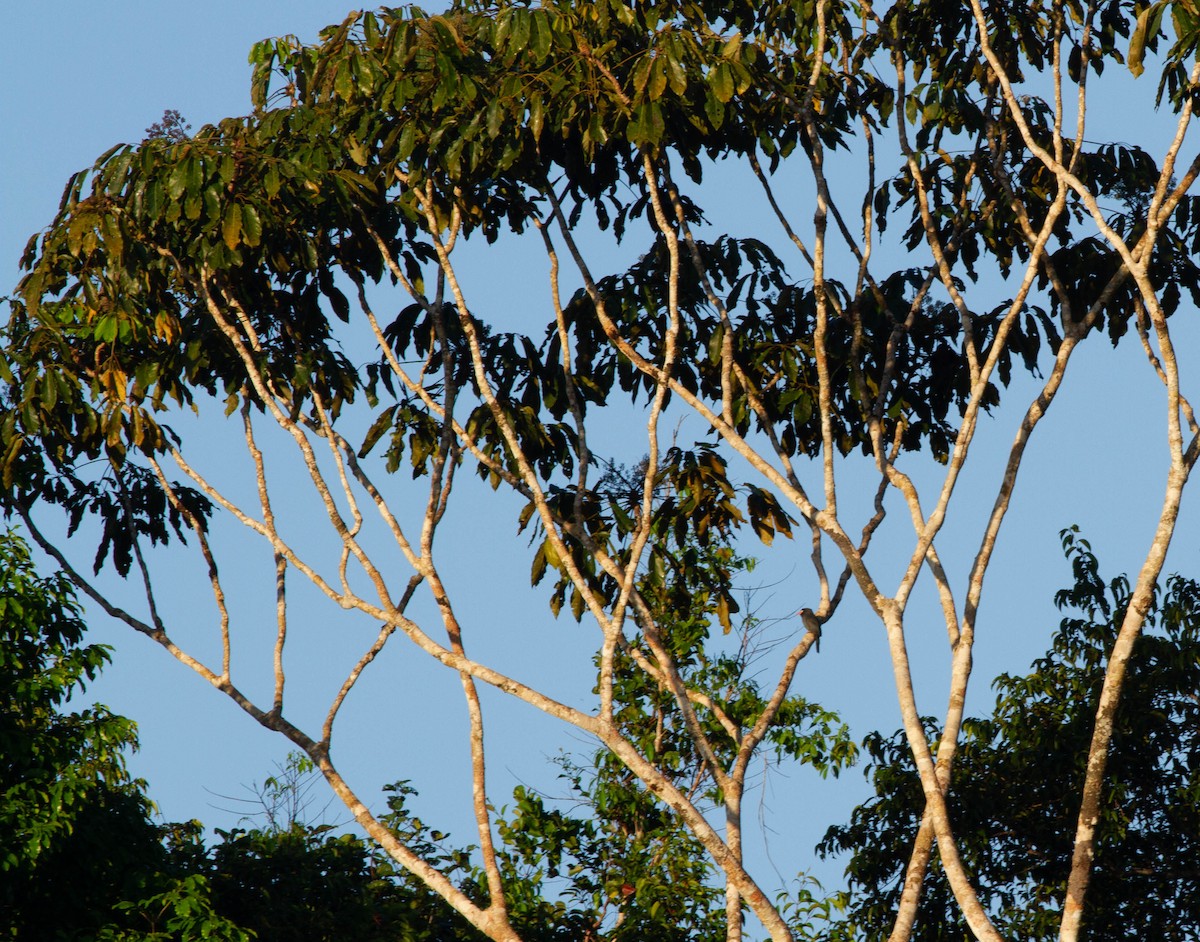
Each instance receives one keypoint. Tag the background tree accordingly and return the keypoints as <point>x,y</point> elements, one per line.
<point>74,828</point>
<point>83,857</point>
<point>607,860</point>
<point>241,271</point>
<point>1021,768</point>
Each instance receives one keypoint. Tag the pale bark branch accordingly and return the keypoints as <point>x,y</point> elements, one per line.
<point>198,529</point>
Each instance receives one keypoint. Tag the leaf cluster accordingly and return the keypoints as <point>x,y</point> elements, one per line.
<point>226,264</point>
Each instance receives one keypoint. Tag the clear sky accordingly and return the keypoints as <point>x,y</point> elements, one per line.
<point>92,75</point>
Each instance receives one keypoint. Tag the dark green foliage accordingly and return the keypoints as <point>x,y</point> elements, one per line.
<point>182,911</point>
<point>304,884</point>
<point>75,834</point>
<point>614,861</point>
<point>77,842</point>
<point>81,857</point>
<point>1018,772</point>
<point>276,221</point>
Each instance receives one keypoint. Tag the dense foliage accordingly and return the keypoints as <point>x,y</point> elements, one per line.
<point>74,831</point>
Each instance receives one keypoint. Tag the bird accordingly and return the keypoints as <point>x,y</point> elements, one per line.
<point>813,624</point>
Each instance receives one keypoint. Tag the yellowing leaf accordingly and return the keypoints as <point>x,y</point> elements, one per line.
<point>1148,23</point>
<point>231,225</point>
<point>720,80</point>
<point>357,150</point>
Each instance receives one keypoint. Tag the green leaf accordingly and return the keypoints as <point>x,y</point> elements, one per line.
<point>231,225</point>
<point>537,116</point>
<point>647,126</point>
<point>251,225</point>
<point>343,82</point>
<point>720,80</point>
<point>407,142</point>
<point>192,205</point>
<point>271,180</point>
<point>113,240</point>
<point>495,117</point>
<point>658,78</point>
<point>105,328</point>
<point>714,110</point>
<point>676,73</point>
<point>193,172</point>
<point>641,73</point>
<point>519,38</point>
<point>540,36</point>
<point>177,181</point>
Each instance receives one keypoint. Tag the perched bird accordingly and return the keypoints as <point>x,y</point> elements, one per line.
<point>812,623</point>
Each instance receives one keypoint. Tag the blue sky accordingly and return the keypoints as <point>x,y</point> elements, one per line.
<point>98,74</point>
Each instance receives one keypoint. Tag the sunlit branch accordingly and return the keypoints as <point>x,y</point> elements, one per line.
<point>1056,73</point>
<point>264,500</point>
<point>278,544</point>
<point>820,293</point>
<point>698,697</point>
<point>941,259</point>
<point>790,489</point>
<point>348,455</point>
<point>1156,365</point>
<point>491,921</point>
<point>527,475</point>
<point>351,679</point>
<point>201,535</point>
<point>868,531</point>
<point>762,725</point>
<point>297,434</point>
<point>1110,695</point>
<point>494,467</point>
<point>1085,67</point>
<point>159,635</point>
<point>958,454</point>
<point>612,630</point>
<point>650,627</point>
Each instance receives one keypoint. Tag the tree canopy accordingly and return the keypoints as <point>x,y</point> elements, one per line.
<point>242,272</point>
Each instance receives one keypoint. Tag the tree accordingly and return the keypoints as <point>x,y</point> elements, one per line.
<point>78,837</point>
<point>607,860</point>
<point>304,883</point>
<point>242,270</point>
<point>1021,769</point>
<point>83,857</point>
<point>74,828</point>
<point>293,877</point>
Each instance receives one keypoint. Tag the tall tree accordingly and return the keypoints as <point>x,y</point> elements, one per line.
<point>1020,769</point>
<point>236,272</point>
